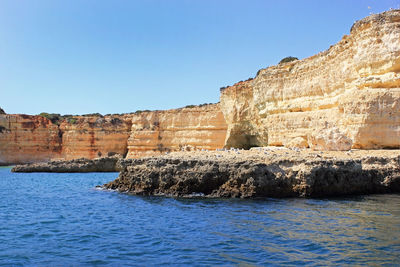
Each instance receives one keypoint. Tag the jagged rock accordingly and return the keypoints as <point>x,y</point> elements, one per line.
<point>253,174</point>
<point>329,139</point>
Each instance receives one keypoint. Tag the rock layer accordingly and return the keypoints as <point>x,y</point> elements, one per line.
<point>91,137</point>
<point>27,139</point>
<point>260,174</point>
<point>156,132</point>
<point>355,86</point>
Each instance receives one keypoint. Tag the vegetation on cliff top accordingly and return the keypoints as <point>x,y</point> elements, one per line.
<point>56,118</point>
<point>287,59</point>
<point>2,111</point>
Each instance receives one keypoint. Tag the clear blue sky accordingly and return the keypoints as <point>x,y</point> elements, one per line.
<point>115,56</point>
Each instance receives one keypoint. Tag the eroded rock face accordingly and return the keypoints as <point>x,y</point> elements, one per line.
<point>329,139</point>
<point>260,174</point>
<point>91,137</point>
<point>354,86</point>
<point>28,139</point>
<point>25,138</point>
<point>158,132</point>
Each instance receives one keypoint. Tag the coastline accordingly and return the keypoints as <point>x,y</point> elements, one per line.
<point>261,172</point>
<point>258,172</point>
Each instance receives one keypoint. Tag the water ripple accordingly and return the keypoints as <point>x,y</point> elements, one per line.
<point>60,219</point>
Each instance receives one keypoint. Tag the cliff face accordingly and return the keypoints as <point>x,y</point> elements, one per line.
<point>156,132</point>
<point>29,139</point>
<point>91,137</point>
<point>25,138</point>
<point>353,87</point>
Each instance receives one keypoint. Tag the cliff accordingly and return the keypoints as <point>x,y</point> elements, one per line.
<point>94,136</point>
<point>25,138</point>
<point>28,139</point>
<point>349,93</point>
<point>191,128</point>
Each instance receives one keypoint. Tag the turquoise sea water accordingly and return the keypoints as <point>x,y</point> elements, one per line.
<point>60,219</point>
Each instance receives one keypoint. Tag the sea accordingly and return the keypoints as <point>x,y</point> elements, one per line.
<point>61,219</point>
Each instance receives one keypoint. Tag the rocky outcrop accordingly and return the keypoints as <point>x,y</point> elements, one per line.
<point>2,111</point>
<point>106,164</point>
<point>354,86</point>
<point>261,173</point>
<point>191,128</point>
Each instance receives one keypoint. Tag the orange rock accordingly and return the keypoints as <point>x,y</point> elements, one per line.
<point>25,138</point>
<point>157,132</point>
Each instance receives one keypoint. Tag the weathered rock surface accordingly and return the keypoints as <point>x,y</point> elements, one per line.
<point>106,164</point>
<point>91,137</point>
<point>191,128</point>
<point>354,85</point>
<point>25,138</point>
<point>28,139</point>
<point>329,139</point>
<point>261,173</point>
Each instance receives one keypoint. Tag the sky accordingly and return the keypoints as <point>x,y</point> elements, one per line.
<point>119,56</point>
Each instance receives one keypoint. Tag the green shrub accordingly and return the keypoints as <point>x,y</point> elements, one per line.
<point>92,115</point>
<point>2,111</point>
<point>288,59</point>
<point>72,120</point>
<point>53,117</point>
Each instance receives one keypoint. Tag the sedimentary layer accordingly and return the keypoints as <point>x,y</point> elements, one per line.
<point>352,88</point>
<point>264,172</point>
<point>192,128</point>
<point>25,138</point>
<point>28,139</point>
<point>95,136</point>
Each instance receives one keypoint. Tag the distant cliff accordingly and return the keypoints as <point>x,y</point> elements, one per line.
<point>25,138</point>
<point>348,94</point>
<point>29,139</point>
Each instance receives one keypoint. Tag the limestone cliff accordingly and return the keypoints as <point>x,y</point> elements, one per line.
<point>155,132</point>
<point>25,138</point>
<point>354,86</point>
<point>94,136</point>
<point>29,139</point>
